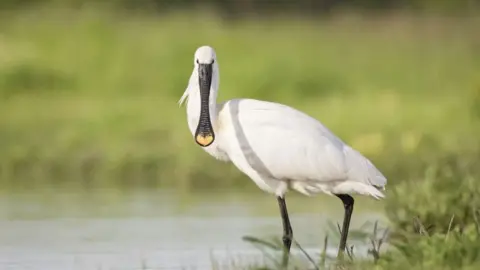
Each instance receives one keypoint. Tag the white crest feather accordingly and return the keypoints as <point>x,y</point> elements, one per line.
<point>184,97</point>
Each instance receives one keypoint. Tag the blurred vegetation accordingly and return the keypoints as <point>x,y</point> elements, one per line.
<point>88,97</point>
<point>235,8</point>
<point>449,188</point>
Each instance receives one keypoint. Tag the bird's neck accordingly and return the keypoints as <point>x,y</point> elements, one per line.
<point>193,106</point>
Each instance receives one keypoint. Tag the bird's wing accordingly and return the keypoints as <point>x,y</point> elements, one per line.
<point>287,143</point>
<point>361,169</point>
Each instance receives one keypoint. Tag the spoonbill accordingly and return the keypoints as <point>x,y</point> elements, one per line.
<point>277,146</point>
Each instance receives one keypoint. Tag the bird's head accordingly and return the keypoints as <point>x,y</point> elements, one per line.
<point>205,55</point>
<point>206,66</point>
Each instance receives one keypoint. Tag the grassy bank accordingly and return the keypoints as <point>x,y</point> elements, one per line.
<point>90,96</point>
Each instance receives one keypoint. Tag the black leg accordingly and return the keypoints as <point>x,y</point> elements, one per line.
<point>348,205</point>
<point>287,229</point>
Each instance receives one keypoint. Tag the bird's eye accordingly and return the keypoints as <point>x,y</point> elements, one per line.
<point>198,62</point>
<point>213,61</point>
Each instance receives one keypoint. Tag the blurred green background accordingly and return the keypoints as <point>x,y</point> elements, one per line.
<point>89,91</point>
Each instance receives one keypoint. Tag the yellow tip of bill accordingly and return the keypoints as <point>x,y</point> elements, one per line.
<point>204,140</point>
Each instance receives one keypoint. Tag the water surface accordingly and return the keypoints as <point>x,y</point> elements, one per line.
<point>55,229</point>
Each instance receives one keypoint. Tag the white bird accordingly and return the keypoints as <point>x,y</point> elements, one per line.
<point>277,146</point>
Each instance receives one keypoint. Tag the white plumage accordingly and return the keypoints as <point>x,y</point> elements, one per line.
<point>279,147</point>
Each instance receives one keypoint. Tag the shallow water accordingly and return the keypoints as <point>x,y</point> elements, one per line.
<point>110,229</point>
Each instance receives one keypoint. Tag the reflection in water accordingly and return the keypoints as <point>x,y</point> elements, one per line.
<point>108,229</point>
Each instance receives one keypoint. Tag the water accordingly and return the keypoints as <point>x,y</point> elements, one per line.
<point>110,229</point>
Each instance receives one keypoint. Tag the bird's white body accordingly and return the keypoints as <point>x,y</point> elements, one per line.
<point>279,147</point>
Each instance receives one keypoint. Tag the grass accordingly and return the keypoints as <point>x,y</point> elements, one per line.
<point>457,248</point>
<point>90,95</point>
